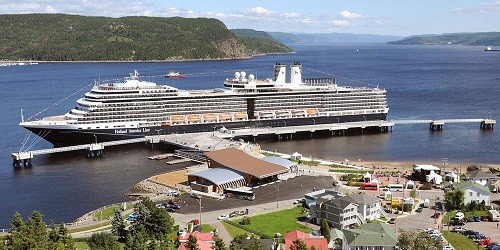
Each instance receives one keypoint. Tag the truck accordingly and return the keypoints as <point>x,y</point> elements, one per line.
<point>426,202</point>
<point>494,215</point>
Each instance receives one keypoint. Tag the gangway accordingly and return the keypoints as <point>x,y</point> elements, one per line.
<point>438,124</point>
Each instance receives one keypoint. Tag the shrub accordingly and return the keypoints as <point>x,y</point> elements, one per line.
<point>246,221</point>
<point>426,186</point>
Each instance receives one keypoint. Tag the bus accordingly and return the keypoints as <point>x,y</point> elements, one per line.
<point>239,194</point>
<point>369,186</point>
<point>395,187</point>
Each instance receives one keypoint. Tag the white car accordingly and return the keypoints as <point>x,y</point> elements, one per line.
<point>223,217</point>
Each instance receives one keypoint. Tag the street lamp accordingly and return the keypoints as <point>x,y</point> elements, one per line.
<point>314,122</point>
<point>365,118</point>
<point>199,201</point>
<point>445,161</point>
<point>278,194</point>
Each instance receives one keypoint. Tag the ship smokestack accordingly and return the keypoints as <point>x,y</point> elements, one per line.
<point>279,73</point>
<point>296,73</point>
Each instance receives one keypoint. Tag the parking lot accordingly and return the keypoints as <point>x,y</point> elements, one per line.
<point>294,188</point>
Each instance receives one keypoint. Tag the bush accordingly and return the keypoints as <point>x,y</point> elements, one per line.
<point>426,186</point>
<point>246,221</point>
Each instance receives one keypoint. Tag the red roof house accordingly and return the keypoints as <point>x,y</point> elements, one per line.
<point>319,242</point>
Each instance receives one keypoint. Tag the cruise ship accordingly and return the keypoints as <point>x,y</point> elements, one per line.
<point>135,108</point>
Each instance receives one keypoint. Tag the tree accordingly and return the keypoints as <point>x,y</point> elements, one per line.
<point>102,241</point>
<point>236,242</point>
<point>298,244</point>
<point>454,200</point>
<point>36,231</point>
<point>137,239</point>
<point>256,245</point>
<point>155,222</point>
<point>325,229</point>
<point>192,243</point>
<point>408,240</point>
<point>219,244</point>
<point>118,227</point>
<point>413,193</point>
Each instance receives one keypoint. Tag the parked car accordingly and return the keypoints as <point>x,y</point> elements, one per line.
<point>195,222</point>
<point>160,206</point>
<point>170,210</point>
<point>175,206</point>
<point>223,217</point>
<point>419,209</point>
<point>447,247</point>
<point>195,195</point>
<point>485,218</point>
<point>172,192</point>
<point>476,218</point>
<point>436,215</point>
<point>485,242</point>
<point>234,214</point>
<point>392,221</point>
<point>459,229</point>
<point>457,222</point>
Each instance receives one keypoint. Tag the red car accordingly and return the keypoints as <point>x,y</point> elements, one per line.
<point>485,242</point>
<point>436,215</point>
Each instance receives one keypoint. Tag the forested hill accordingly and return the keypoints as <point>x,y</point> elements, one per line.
<point>260,40</point>
<point>61,37</point>
<point>474,39</point>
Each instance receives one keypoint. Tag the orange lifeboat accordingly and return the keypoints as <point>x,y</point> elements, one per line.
<point>312,112</point>
<point>241,115</point>
<point>177,118</point>
<point>194,118</point>
<point>225,117</point>
<point>209,117</point>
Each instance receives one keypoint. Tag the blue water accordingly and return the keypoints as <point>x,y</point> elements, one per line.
<point>423,82</point>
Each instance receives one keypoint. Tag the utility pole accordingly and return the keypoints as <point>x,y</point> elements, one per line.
<point>199,201</point>
<point>278,194</point>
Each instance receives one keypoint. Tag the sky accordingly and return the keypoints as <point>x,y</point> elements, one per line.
<point>380,17</point>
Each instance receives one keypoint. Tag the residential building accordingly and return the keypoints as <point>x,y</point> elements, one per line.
<point>371,236</point>
<point>340,213</point>
<point>318,242</point>
<point>486,179</point>
<point>205,240</point>
<point>319,196</point>
<point>473,191</point>
<point>368,205</point>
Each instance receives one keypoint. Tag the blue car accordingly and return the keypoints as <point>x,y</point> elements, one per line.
<point>476,219</point>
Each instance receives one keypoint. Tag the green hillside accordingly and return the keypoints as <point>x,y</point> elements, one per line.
<point>473,39</point>
<point>60,37</point>
<point>259,41</point>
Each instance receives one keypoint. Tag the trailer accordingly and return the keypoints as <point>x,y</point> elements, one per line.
<point>494,215</point>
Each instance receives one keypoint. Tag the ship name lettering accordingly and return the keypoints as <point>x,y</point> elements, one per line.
<point>120,131</point>
<point>134,130</point>
<point>146,130</point>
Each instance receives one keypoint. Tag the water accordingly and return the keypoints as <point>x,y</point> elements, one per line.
<point>423,82</point>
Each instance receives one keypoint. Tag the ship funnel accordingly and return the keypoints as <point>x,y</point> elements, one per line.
<point>296,73</point>
<point>279,73</point>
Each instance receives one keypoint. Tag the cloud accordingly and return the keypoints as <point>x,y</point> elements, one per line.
<point>345,14</point>
<point>260,11</point>
<point>340,23</point>
<point>493,7</point>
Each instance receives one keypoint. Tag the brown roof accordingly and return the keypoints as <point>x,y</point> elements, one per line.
<point>240,161</point>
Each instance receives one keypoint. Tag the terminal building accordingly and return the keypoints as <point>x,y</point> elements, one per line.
<point>232,168</point>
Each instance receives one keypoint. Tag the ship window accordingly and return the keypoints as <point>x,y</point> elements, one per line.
<point>79,128</point>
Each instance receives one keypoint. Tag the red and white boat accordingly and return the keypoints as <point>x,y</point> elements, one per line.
<point>173,74</point>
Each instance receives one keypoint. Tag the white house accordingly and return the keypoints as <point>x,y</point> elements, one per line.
<point>474,191</point>
<point>483,178</point>
<point>368,206</point>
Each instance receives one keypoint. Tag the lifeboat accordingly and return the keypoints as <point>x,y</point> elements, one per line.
<point>282,113</point>
<point>165,123</point>
<point>312,112</point>
<point>209,117</point>
<point>194,118</point>
<point>177,118</point>
<point>241,115</point>
<point>225,117</point>
<point>266,114</point>
<point>298,112</point>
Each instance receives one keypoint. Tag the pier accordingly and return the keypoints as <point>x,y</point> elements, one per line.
<point>192,145</point>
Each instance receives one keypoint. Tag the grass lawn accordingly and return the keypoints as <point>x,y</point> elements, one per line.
<point>233,231</point>
<point>110,211</point>
<point>207,228</point>
<point>278,222</point>
<point>81,245</point>
<point>452,214</point>
<point>459,241</point>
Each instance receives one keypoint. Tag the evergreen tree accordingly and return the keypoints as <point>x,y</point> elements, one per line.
<point>118,226</point>
<point>103,241</point>
<point>192,243</point>
<point>408,240</point>
<point>137,239</point>
<point>155,222</point>
<point>219,244</point>
<point>17,238</point>
<point>36,231</point>
<point>256,245</point>
<point>298,244</point>
<point>236,242</point>
<point>325,229</point>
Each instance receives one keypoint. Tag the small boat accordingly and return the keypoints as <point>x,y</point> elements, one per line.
<point>173,74</point>
<point>491,49</point>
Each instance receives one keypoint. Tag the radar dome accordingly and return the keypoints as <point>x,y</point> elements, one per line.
<point>251,77</point>
<point>243,74</point>
<point>237,75</point>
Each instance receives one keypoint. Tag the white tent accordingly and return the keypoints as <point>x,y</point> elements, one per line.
<point>410,185</point>
<point>388,195</point>
<point>367,177</point>
<point>295,156</point>
<point>433,177</point>
<point>452,177</point>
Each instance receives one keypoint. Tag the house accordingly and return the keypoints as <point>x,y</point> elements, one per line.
<point>473,191</point>
<point>319,196</point>
<point>204,240</point>
<point>371,236</point>
<point>368,205</point>
<point>340,213</point>
<point>318,242</point>
<point>486,179</point>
